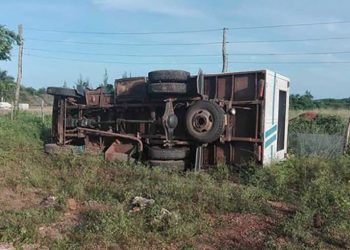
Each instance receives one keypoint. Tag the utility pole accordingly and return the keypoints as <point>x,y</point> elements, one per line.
<point>19,73</point>
<point>224,52</point>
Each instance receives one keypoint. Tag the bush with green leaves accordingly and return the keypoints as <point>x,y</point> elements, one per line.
<point>322,124</point>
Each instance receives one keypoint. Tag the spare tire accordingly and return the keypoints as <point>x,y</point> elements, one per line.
<point>179,165</point>
<point>168,76</point>
<point>167,88</point>
<point>205,121</point>
<point>159,153</point>
<point>61,91</point>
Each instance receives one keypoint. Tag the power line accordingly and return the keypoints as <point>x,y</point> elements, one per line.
<point>124,33</point>
<point>123,44</point>
<point>189,55</point>
<point>289,25</point>
<point>189,44</point>
<point>123,55</point>
<point>111,62</point>
<point>189,31</point>
<point>297,62</point>
<point>195,63</point>
<point>293,40</point>
<point>295,54</point>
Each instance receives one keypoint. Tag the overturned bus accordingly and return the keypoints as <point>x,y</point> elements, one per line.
<point>176,120</point>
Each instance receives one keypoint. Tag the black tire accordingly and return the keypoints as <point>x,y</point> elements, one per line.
<point>167,88</point>
<point>168,76</point>
<point>61,91</point>
<point>216,120</point>
<point>179,165</point>
<point>158,153</point>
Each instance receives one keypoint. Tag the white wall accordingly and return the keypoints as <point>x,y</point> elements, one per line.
<point>273,83</point>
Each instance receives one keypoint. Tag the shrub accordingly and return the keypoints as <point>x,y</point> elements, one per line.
<point>317,187</point>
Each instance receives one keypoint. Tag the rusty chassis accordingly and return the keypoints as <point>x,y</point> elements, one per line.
<point>194,121</point>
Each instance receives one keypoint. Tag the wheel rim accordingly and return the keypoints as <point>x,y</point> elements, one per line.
<point>202,121</point>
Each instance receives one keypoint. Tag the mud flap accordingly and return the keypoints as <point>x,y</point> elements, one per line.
<point>119,152</point>
<point>200,82</point>
<point>199,159</point>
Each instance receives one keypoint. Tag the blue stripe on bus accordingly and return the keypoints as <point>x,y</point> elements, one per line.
<point>271,140</point>
<point>270,131</point>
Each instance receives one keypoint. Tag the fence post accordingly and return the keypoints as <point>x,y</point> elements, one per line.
<point>42,111</point>
<point>12,110</point>
<point>346,138</point>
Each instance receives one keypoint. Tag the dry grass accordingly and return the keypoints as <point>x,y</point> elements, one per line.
<point>344,113</point>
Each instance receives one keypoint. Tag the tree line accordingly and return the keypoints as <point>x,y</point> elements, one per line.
<point>8,39</point>
<point>306,101</point>
<point>8,86</point>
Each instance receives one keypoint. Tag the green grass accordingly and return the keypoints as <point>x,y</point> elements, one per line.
<point>316,187</point>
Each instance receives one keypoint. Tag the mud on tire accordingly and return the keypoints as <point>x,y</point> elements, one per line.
<point>178,165</point>
<point>167,88</point>
<point>168,76</point>
<point>158,153</point>
<point>61,91</point>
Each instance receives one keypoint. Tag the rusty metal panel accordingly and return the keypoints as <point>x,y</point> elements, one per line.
<point>223,154</point>
<point>244,92</point>
<point>245,87</point>
<point>131,88</point>
<point>61,114</point>
<point>93,98</point>
<point>244,152</point>
<point>245,122</point>
<point>224,87</point>
<point>210,86</point>
<point>118,152</point>
<point>107,99</point>
<point>131,111</point>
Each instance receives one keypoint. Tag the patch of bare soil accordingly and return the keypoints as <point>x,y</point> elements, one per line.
<point>70,218</point>
<point>10,246</point>
<point>238,231</point>
<point>283,207</point>
<point>16,200</point>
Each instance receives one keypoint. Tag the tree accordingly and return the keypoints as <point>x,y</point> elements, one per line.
<point>7,39</point>
<point>126,75</point>
<point>83,83</point>
<point>5,77</point>
<point>41,91</point>
<point>105,78</point>
<point>7,86</point>
<point>30,90</point>
<point>305,101</point>
<point>107,87</point>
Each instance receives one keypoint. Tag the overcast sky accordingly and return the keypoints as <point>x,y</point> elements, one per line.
<point>54,57</point>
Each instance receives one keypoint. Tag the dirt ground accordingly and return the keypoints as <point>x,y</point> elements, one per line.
<point>19,200</point>
<point>16,200</point>
<point>231,230</point>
